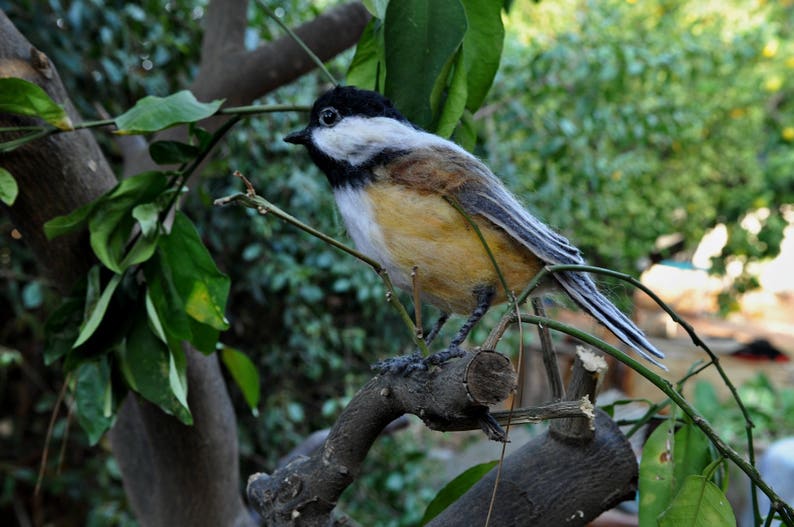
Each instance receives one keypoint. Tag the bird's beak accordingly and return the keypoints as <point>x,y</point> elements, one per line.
<point>301,137</point>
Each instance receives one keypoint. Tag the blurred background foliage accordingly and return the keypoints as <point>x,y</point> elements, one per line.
<point>617,121</point>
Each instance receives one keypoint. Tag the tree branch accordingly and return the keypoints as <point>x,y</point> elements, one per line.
<point>305,491</point>
<point>243,76</point>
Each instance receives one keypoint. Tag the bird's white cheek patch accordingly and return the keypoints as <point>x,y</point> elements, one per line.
<point>349,141</point>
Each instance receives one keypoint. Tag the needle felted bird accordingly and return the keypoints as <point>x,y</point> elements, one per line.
<point>394,185</point>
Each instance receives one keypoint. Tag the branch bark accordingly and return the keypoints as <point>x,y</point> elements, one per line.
<point>587,459</point>
<point>305,491</point>
<point>569,475</point>
<point>56,174</point>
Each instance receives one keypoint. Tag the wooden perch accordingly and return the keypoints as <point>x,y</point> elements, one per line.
<point>452,397</point>
<point>305,491</point>
<point>579,468</point>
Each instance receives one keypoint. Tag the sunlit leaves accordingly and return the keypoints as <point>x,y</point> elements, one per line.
<point>482,49</point>
<point>656,485</point>
<point>699,503</point>
<point>97,301</point>
<point>671,485</point>
<point>433,59</point>
<point>146,363</point>
<point>110,224</point>
<point>22,97</point>
<point>196,279</point>
<point>368,67</point>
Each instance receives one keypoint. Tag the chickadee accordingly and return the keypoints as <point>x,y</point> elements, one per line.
<point>393,184</point>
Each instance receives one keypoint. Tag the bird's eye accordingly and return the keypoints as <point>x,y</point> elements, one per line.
<point>329,117</point>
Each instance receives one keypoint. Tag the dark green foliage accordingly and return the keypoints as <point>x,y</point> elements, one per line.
<point>617,122</point>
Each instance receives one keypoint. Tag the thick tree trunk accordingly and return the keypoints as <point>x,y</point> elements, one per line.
<point>192,473</point>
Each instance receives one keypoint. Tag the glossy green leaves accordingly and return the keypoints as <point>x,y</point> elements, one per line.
<point>435,60</point>
<point>420,36</point>
<point>21,97</point>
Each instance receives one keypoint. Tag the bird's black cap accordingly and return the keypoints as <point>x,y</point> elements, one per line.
<point>348,101</point>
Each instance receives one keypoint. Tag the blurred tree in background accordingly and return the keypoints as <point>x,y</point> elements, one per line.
<point>624,121</point>
<point>616,121</point>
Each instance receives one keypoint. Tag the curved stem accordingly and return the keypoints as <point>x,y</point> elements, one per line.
<point>300,42</point>
<point>785,510</point>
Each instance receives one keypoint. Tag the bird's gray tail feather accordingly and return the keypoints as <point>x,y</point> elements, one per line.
<point>581,288</point>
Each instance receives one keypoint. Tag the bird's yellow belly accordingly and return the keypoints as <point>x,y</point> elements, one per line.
<point>426,232</point>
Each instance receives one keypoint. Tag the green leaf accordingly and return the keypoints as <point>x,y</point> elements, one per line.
<point>145,362</point>
<point>8,187</point>
<point>147,215</point>
<point>91,393</point>
<point>377,8</point>
<point>368,66</point>
<point>166,302</point>
<point>482,48</point>
<point>172,152</point>
<point>21,97</point>
<point>466,132</point>
<point>692,452</point>
<point>419,36</point>
<point>453,490</point>
<point>152,114</point>
<point>177,375</point>
<point>141,251</point>
<point>203,337</point>
<point>699,503</point>
<point>455,102</point>
<point>244,374</point>
<point>657,482</point>
<point>96,304</point>
<point>111,223</point>
<point>62,328</point>
<point>75,220</point>
<point>201,286</point>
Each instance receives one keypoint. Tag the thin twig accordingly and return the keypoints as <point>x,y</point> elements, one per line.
<point>264,207</point>
<point>549,356</point>
<point>420,332</point>
<point>300,42</point>
<point>48,436</point>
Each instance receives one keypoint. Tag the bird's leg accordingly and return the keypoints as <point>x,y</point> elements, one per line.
<point>484,298</point>
<point>407,363</point>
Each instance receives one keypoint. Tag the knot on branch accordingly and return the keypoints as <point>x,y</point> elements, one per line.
<point>453,396</point>
<point>457,395</point>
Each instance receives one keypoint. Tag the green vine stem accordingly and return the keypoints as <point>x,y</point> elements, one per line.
<point>299,41</point>
<point>785,510</point>
<point>696,340</point>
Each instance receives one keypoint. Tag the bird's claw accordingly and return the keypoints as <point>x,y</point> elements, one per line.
<point>407,364</point>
